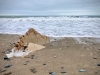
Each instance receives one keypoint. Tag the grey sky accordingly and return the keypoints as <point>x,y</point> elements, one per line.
<point>50,7</point>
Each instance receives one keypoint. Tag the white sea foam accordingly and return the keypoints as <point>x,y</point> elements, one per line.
<point>17,53</point>
<point>52,26</point>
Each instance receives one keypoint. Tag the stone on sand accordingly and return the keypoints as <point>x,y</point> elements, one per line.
<point>52,73</point>
<point>98,64</point>
<point>55,56</point>
<point>82,70</point>
<point>26,62</point>
<point>2,71</point>
<point>8,73</point>
<point>33,70</point>
<point>6,58</point>
<point>63,71</point>
<point>94,57</point>
<point>7,66</point>
<point>32,56</point>
<point>62,67</point>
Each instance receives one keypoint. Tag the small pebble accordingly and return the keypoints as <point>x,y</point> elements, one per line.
<point>53,73</point>
<point>94,44</point>
<point>32,56</point>
<point>8,73</point>
<point>2,71</point>
<point>26,63</point>
<point>94,57</point>
<point>50,72</point>
<point>82,70</point>
<point>13,43</point>
<point>7,52</point>
<point>67,46</point>
<point>6,58</point>
<point>8,49</point>
<point>33,70</point>
<point>3,52</point>
<point>98,64</point>
<point>44,64</point>
<point>55,56</point>
<point>7,66</point>
<point>99,49</point>
<point>26,57</point>
<point>62,67</point>
<point>63,71</point>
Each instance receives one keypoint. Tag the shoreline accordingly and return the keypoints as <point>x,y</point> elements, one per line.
<point>64,52</point>
<point>54,36</point>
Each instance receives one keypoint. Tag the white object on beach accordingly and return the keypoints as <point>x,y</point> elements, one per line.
<point>31,48</point>
<point>55,56</point>
<point>17,53</point>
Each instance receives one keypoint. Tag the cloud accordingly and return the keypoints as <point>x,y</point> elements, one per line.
<point>48,6</point>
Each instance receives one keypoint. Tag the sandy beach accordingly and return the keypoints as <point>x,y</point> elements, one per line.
<point>73,57</point>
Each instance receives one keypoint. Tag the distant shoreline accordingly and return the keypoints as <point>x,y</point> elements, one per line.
<point>55,36</point>
<point>74,16</point>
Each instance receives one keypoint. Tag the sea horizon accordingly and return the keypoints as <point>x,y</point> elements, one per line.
<point>76,16</point>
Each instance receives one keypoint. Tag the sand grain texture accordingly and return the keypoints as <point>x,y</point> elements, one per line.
<point>70,55</point>
<point>34,47</point>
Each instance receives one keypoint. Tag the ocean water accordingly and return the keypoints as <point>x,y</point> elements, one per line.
<point>53,26</point>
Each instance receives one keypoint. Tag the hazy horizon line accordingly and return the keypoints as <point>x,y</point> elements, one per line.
<point>49,15</point>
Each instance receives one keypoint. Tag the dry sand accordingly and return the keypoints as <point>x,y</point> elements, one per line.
<point>68,53</point>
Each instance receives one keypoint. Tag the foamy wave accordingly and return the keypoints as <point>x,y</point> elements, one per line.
<point>52,26</point>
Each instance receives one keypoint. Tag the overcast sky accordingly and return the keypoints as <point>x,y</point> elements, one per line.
<point>50,7</point>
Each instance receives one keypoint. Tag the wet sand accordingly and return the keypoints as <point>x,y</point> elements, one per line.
<point>66,54</point>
